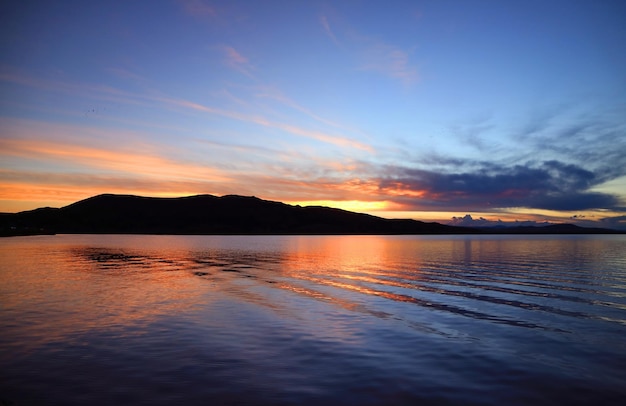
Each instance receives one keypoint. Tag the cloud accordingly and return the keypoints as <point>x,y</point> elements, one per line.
<point>594,136</point>
<point>198,8</point>
<point>140,163</point>
<point>560,159</point>
<point>473,133</point>
<point>329,32</point>
<point>260,120</point>
<point>391,61</point>
<point>374,55</point>
<point>550,185</point>
<point>237,61</point>
<point>83,90</point>
<point>235,57</point>
<point>321,136</point>
<point>18,185</point>
<point>277,95</point>
<point>125,74</point>
<point>113,94</point>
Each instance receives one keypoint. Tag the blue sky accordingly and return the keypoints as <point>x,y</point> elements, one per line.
<point>425,109</point>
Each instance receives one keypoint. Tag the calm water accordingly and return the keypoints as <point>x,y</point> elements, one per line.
<point>168,320</point>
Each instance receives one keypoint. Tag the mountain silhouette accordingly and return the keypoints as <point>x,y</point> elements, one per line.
<point>548,229</point>
<point>231,214</point>
<point>206,214</point>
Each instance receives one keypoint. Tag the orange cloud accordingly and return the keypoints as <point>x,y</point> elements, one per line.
<point>303,188</point>
<point>69,188</point>
<point>129,162</point>
<point>402,190</point>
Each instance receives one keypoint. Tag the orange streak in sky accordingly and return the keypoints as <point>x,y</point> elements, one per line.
<point>133,163</point>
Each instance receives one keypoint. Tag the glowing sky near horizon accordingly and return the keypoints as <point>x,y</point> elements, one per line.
<point>422,109</point>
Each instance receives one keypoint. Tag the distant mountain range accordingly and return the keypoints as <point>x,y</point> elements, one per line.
<point>232,214</point>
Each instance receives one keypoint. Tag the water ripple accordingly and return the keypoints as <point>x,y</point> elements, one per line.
<point>311,320</point>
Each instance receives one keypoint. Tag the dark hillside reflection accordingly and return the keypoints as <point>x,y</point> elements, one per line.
<point>303,320</point>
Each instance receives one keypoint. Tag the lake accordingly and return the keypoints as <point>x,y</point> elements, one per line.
<point>307,320</point>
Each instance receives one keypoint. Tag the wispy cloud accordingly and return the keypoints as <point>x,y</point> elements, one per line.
<point>110,93</point>
<point>327,30</point>
<point>277,95</point>
<point>198,8</point>
<point>597,140</point>
<point>126,74</point>
<point>475,133</point>
<point>235,60</point>
<point>85,90</point>
<point>321,136</point>
<point>373,54</point>
<point>391,61</point>
<point>260,120</point>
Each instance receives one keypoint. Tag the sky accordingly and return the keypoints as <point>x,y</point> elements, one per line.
<point>433,110</point>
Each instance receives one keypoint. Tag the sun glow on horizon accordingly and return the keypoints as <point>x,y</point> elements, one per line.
<point>357,206</point>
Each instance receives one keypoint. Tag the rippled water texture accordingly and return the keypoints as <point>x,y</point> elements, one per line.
<point>163,320</point>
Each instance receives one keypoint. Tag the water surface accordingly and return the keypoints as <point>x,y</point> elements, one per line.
<point>374,320</point>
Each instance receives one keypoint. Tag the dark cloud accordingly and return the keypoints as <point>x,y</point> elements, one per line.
<point>553,160</point>
<point>573,201</point>
<point>549,185</point>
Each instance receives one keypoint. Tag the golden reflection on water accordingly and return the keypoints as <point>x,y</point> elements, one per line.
<point>316,313</point>
<point>113,282</point>
<point>80,290</point>
<point>354,255</point>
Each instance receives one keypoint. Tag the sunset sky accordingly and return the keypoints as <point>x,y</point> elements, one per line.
<point>512,110</point>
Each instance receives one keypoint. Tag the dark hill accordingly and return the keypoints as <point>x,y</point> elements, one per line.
<point>550,229</point>
<point>206,214</point>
